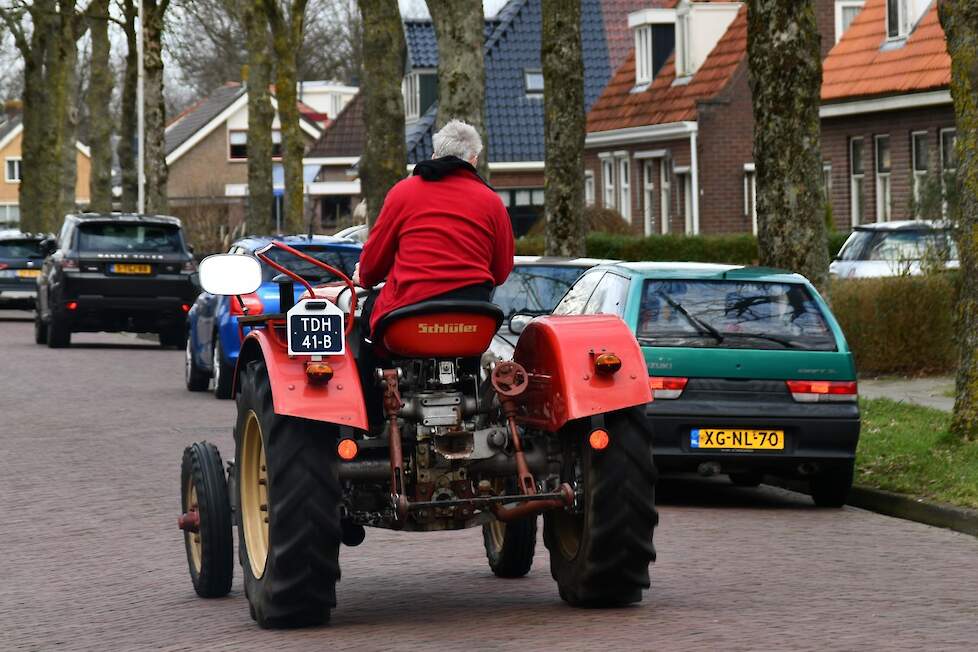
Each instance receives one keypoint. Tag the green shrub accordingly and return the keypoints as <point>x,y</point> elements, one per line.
<point>901,325</point>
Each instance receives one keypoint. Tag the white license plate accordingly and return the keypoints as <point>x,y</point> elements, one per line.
<point>315,327</point>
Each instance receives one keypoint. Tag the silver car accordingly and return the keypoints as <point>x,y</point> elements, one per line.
<point>895,249</point>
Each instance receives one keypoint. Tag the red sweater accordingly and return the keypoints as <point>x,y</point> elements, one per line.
<point>432,237</point>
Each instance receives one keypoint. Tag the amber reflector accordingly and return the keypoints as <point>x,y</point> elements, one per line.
<point>607,363</point>
<point>599,439</point>
<point>347,449</point>
<point>318,372</point>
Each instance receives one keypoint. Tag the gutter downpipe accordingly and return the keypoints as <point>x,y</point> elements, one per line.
<point>695,172</point>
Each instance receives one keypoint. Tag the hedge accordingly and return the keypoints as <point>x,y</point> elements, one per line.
<point>735,249</point>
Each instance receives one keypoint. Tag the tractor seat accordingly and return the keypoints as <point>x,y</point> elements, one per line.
<point>439,329</point>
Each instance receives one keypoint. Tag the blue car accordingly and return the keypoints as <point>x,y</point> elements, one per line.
<point>213,340</point>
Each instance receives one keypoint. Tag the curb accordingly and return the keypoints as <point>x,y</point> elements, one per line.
<point>889,503</point>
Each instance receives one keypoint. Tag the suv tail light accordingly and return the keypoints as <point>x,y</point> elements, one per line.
<point>69,264</point>
<point>822,391</point>
<point>4,265</point>
<point>665,387</point>
<point>251,301</point>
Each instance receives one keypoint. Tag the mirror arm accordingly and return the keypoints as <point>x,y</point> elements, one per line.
<point>244,308</point>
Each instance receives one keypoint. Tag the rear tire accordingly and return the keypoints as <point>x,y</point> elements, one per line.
<point>59,333</point>
<point>223,373</point>
<point>40,330</point>
<point>510,546</point>
<point>831,487</point>
<point>290,563</point>
<point>600,557</point>
<point>196,379</point>
<point>173,337</point>
<point>210,552</point>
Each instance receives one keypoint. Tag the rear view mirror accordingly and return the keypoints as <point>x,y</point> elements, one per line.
<point>518,322</point>
<point>230,274</point>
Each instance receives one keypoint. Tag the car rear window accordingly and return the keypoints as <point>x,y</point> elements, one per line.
<point>27,248</point>
<point>855,245</point>
<point>115,236</point>
<point>343,259</point>
<point>912,245</point>
<point>732,314</point>
<point>535,289</point>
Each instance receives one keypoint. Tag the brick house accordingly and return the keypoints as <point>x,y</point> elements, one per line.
<point>887,118</point>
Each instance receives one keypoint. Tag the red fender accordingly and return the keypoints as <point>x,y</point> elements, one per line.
<point>559,351</point>
<point>340,401</point>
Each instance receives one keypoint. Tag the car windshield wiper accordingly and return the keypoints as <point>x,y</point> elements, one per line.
<point>698,323</point>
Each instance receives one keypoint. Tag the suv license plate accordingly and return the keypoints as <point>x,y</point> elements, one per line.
<point>736,439</point>
<point>128,268</point>
<point>315,327</point>
<point>28,273</point>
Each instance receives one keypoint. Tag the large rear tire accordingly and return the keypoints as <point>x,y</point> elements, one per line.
<point>285,469</point>
<point>210,551</point>
<point>510,546</point>
<point>600,556</point>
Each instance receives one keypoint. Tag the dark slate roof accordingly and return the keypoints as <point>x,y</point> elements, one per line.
<point>193,119</point>
<point>422,43</point>
<point>345,136</point>
<point>9,126</point>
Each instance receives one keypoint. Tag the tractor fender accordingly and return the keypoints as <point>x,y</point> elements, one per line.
<point>340,401</point>
<point>559,353</point>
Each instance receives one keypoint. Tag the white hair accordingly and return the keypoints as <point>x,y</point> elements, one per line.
<point>457,138</point>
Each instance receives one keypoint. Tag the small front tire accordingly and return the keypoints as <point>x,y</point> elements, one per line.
<point>510,546</point>
<point>210,552</point>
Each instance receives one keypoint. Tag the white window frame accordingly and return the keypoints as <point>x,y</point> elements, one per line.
<point>919,176</point>
<point>827,182</point>
<point>643,55</point>
<point>856,199</point>
<point>665,196</point>
<point>411,88</point>
<point>6,169</point>
<point>533,92</point>
<point>624,169</point>
<point>682,41</point>
<point>840,6</point>
<point>588,188</point>
<point>903,20</point>
<point>750,195</point>
<point>648,195</point>
<point>609,197</point>
<point>884,185</point>
<point>953,130</point>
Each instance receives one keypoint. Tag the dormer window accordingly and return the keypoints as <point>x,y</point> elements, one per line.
<point>643,55</point>
<point>683,58</point>
<point>654,42</point>
<point>412,97</point>
<point>846,12</point>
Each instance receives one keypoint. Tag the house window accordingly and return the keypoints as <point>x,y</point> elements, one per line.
<point>827,182</point>
<point>9,215</point>
<point>238,145</point>
<point>883,179</point>
<point>643,55</point>
<point>683,67</point>
<point>624,188</point>
<point>523,198</point>
<point>685,180</point>
<point>665,196</point>
<point>648,195</point>
<point>750,195</point>
<point>949,155</point>
<point>589,188</point>
<point>856,180</point>
<point>921,162</point>
<point>846,12</point>
<point>897,22</point>
<point>504,197</point>
<point>533,81</point>
<point>608,179</point>
<point>412,97</point>
<point>12,173</point>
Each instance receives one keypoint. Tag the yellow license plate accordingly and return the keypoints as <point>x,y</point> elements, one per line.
<point>28,273</point>
<point>736,439</point>
<point>127,268</point>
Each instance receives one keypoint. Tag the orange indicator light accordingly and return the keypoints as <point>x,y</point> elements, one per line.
<point>347,449</point>
<point>599,439</point>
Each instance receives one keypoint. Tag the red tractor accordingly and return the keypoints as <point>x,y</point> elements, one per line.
<point>464,440</point>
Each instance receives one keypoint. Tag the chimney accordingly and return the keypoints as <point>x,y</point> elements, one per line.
<point>12,108</point>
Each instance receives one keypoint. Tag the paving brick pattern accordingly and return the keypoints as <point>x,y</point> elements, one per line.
<point>90,446</point>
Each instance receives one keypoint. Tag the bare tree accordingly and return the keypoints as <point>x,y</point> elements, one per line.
<point>260,116</point>
<point>127,123</point>
<point>154,109</point>
<point>783,52</point>
<point>959,18</point>
<point>563,106</point>
<point>99,100</point>
<point>384,159</point>
<point>459,26</point>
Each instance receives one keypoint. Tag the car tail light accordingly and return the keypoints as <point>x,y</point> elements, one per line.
<point>4,265</point>
<point>665,387</point>
<point>69,264</point>
<point>72,305</point>
<point>822,391</point>
<point>251,301</point>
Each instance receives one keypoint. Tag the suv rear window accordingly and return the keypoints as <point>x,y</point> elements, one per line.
<point>342,259</point>
<point>27,248</point>
<point>114,236</point>
<point>732,315</point>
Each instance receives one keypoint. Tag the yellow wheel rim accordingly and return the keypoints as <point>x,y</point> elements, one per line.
<point>193,538</point>
<point>568,529</point>
<point>497,534</point>
<point>253,485</point>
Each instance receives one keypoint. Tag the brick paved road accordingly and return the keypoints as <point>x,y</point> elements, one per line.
<point>90,446</point>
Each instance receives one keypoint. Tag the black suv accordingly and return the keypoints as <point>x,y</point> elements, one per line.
<point>20,265</point>
<point>116,272</point>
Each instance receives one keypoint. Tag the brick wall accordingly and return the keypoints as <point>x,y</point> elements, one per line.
<point>825,21</point>
<point>836,135</point>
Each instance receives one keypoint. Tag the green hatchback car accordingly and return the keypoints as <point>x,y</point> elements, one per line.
<point>749,370</point>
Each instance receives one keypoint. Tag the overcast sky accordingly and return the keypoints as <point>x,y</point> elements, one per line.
<point>418,9</point>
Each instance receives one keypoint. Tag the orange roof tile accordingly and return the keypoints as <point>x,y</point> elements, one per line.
<point>662,103</point>
<point>858,67</point>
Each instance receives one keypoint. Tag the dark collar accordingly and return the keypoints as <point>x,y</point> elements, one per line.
<point>438,168</point>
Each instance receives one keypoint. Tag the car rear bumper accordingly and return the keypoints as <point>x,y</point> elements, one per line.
<point>17,288</point>
<point>125,304</point>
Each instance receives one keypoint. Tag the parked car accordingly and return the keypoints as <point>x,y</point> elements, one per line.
<point>895,249</point>
<point>534,288</point>
<point>115,272</point>
<point>357,233</point>
<point>750,372</point>
<point>21,257</point>
<point>213,338</point>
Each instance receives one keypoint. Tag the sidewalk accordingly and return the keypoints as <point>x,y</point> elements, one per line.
<point>932,392</point>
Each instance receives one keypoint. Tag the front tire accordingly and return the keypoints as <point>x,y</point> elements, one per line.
<point>830,488</point>
<point>210,552</point>
<point>600,556</point>
<point>285,470</point>
<point>510,546</point>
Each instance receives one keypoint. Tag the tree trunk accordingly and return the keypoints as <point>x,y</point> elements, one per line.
<point>959,18</point>
<point>55,94</point>
<point>127,122</point>
<point>459,26</point>
<point>384,160</point>
<point>563,127</point>
<point>260,116</point>
<point>785,81</point>
<point>154,108</point>
<point>99,100</point>
<point>69,136</point>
